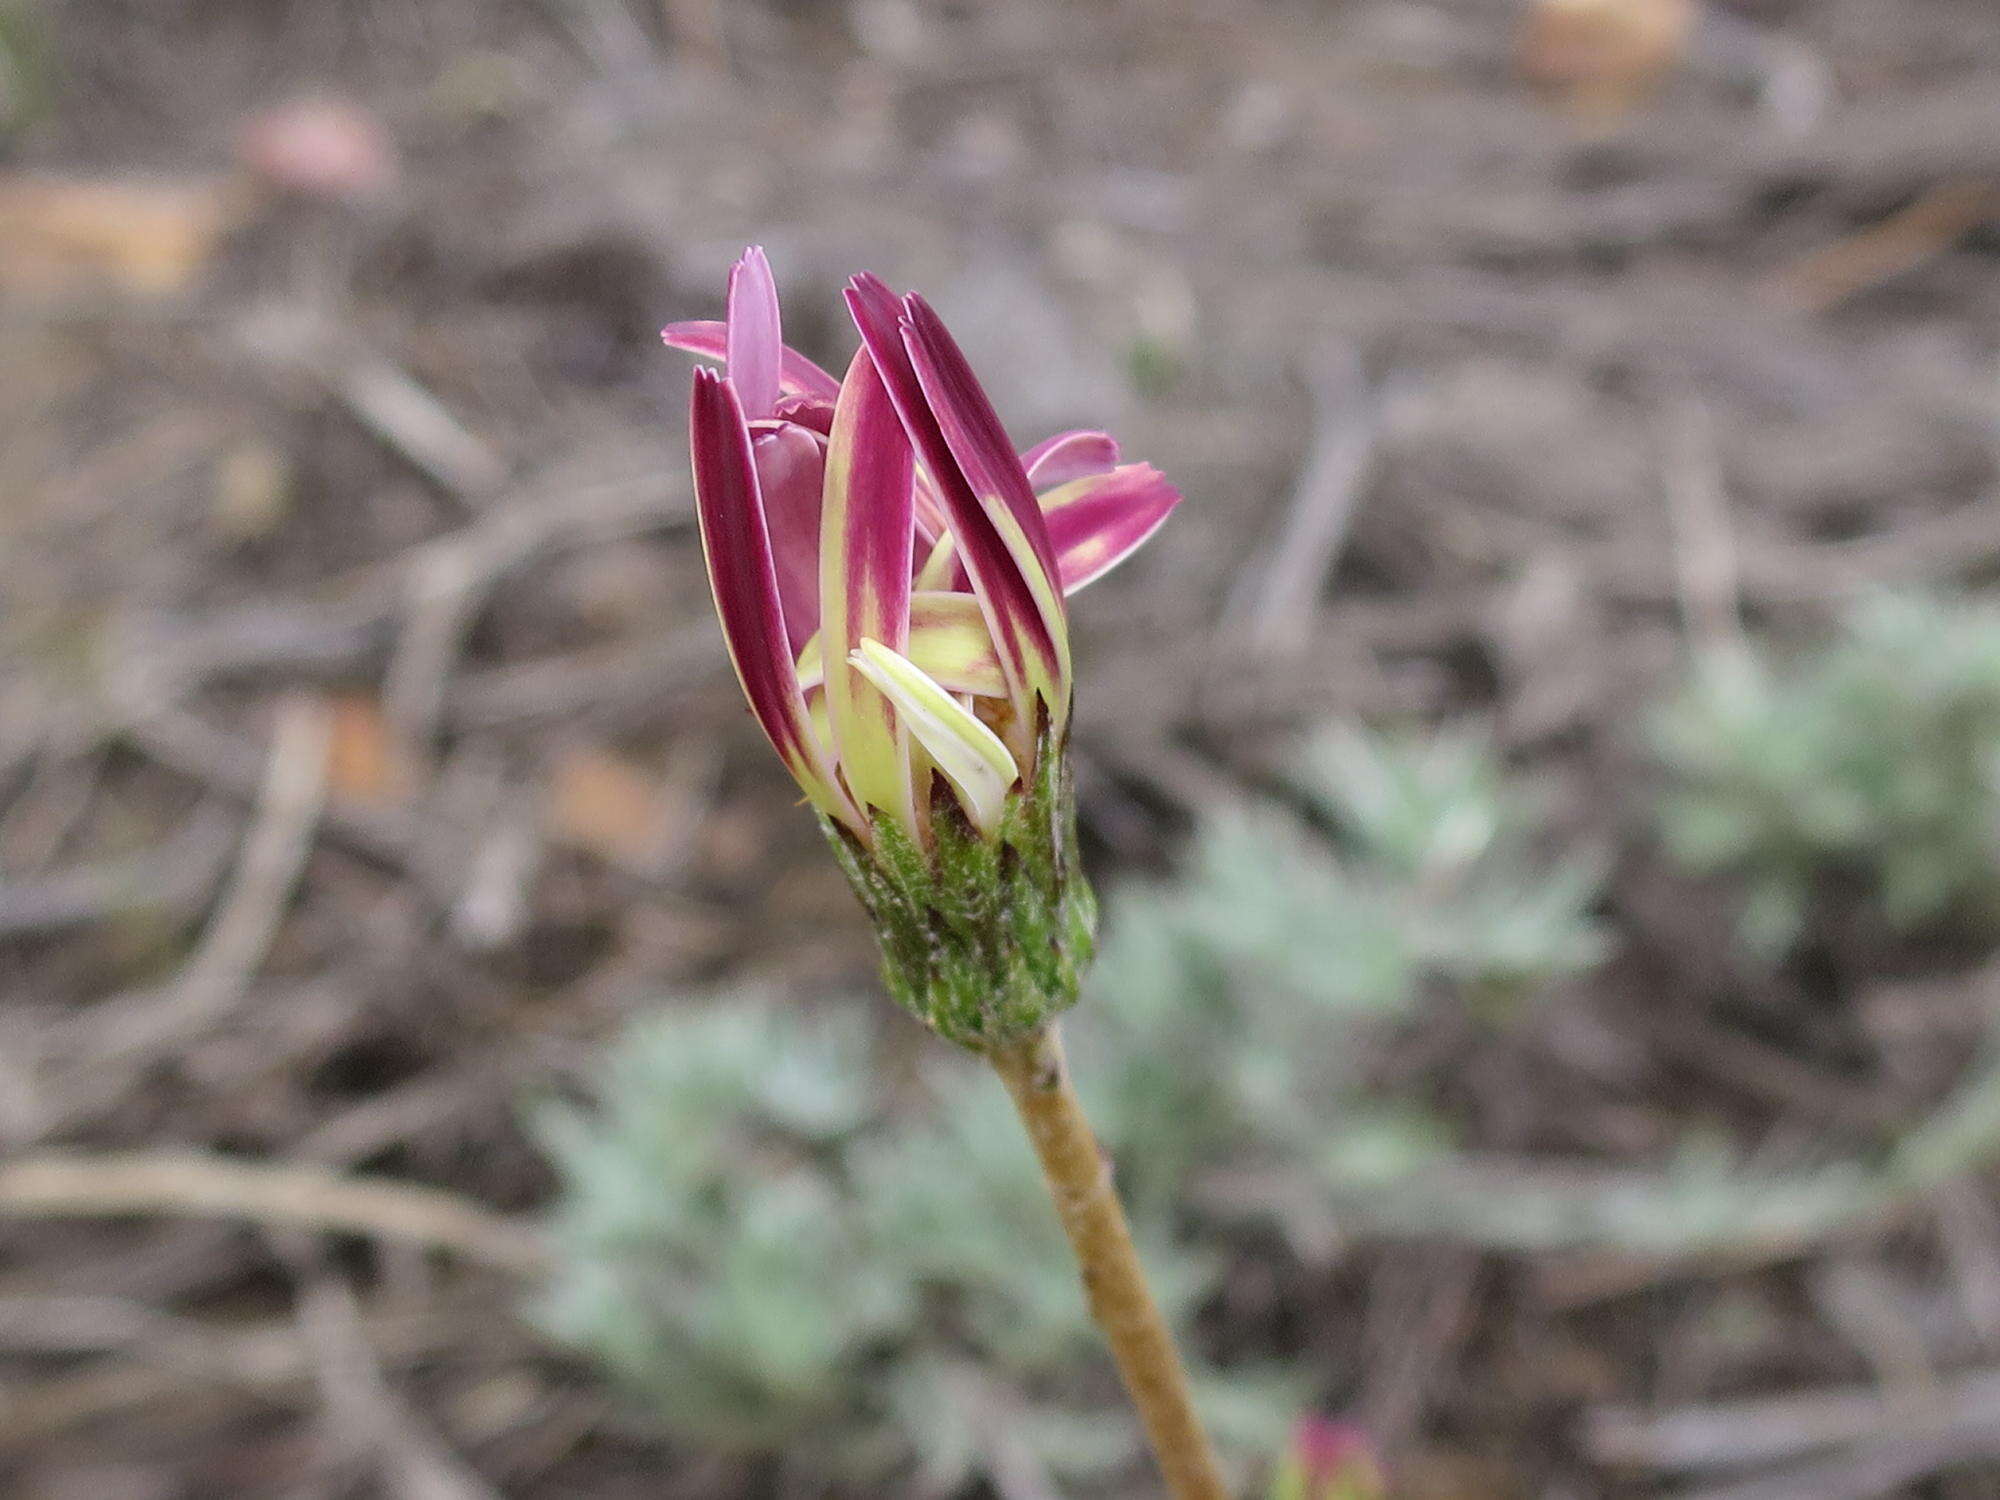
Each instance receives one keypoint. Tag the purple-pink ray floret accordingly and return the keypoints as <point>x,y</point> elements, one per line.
<point>741,572</point>
<point>756,343</point>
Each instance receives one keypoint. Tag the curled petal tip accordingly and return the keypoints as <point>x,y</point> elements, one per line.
<point>876,311</point>
<point>1069,455</point>
<point>1097,522</point>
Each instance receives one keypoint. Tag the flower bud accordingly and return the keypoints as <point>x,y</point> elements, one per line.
<point>1329,1460</point>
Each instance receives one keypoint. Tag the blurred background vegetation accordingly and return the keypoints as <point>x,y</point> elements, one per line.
<point>1544,783</point>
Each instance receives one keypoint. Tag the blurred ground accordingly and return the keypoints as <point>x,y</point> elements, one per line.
<point>367,750</point>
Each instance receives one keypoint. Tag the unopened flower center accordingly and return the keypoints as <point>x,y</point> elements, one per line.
<point>997,714</point>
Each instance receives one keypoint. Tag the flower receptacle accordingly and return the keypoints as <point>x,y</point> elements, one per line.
<point>984,937</point>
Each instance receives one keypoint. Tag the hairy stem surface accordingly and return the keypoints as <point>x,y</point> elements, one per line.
<point>1079,1178</point>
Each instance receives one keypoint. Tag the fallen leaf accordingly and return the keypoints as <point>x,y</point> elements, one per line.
<point>1602,57</point>
<point>253,491</point>
<point>604,805</point>
<point>365,761</point>
<point>148,237</point>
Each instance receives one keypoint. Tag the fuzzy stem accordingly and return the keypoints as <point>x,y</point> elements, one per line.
<point>1079,1179</point>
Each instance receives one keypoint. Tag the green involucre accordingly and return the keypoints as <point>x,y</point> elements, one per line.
<point>985,940</point>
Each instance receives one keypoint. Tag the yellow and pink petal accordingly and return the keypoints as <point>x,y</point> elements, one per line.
<point>992,516</point>
<point>867,533</point>
<point>1098,522</point>
<point>948,641</point>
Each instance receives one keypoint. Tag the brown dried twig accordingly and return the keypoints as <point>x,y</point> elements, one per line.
<point>66,1185</point>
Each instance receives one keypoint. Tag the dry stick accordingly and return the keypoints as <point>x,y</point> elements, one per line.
<point>1079,1178</point>
<point>148,1359</point>
<point>115,1185</point>
<point>1705,566</point>
<point>111,1039</point>
<point>1779,1429</point>
<point>413,1463</point>
<point>1272,601</point>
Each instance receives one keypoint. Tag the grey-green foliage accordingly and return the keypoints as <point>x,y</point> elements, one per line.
<point>1220,1026</point>
<point>709,1257</point>
<point>1228,1006</point>
<point>767,1260</point>
<point>1437,874</point>
<point>1877,756</point>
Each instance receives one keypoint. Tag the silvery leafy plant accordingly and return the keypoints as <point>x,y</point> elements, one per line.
<point>1874,758</point>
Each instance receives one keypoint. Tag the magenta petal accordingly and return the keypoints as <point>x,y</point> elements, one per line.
<point>756,346</point>
<point>879,506</point>
<point>1099,521</point>
<point>878,314</point>
<point>1031,650</point>
<point>877,311</point>
<point>797,375</point>
<point>1069,455</point>
<point>791,462</point>
<point>970,425</point>
<point>737,545</point>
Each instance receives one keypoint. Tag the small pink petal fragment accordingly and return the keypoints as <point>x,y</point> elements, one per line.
<point>807,411</point>
<point>756,346</point>
<point>930,514</point>
<point>321,147</point>
<point>737,546</point>
<point>1097,523</point>
<point>1069,455</point>
<point>797,375</point>
<point>1329,1460</point>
